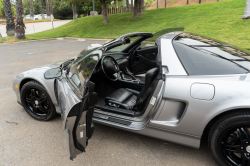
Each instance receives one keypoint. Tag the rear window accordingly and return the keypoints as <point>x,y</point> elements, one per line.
<point>202,56</point>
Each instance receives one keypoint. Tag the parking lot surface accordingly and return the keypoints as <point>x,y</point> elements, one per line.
<point>25,141</point>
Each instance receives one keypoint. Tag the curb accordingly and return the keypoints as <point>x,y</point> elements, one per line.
<point>61,38</point>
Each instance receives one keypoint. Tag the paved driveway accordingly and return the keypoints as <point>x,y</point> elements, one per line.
<point>38,27</point>
<point>25,141</point>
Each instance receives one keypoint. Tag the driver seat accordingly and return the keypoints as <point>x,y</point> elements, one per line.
<point>127,98</point>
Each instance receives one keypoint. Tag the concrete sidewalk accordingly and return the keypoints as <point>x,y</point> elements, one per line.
<point>38,27</point>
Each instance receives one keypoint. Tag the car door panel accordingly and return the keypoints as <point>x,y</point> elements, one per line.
<point>76,116</point>
<point>143,60</point>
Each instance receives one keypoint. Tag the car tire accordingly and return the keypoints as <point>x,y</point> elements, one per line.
<point>37,102</point>
<point>229,139</point>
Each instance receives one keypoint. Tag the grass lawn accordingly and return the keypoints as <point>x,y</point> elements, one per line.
<point>218,20</point>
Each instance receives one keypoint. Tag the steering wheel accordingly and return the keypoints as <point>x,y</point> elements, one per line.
<point>110,68</point>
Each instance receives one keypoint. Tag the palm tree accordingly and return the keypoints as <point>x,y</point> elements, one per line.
<point>31,10</point>
<point>47,9</point>
<point>127,6</point>
<point>41,8</point>
<point>10,25</point>
<point>19,28</point>
<point>247,11</point>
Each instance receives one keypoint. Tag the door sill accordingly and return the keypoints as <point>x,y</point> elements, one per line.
<point>115,110</point>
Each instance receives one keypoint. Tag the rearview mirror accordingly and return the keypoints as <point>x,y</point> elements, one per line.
<point>53,73</point>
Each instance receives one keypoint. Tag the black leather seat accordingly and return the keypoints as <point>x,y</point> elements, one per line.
<point>127,98</point>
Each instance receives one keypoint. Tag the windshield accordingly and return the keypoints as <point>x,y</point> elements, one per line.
<point>82,67</point>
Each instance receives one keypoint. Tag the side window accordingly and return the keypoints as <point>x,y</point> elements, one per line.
<point>199,61</point>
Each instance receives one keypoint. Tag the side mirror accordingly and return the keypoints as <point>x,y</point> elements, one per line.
<point>126,41</point>
<point>53,73</point>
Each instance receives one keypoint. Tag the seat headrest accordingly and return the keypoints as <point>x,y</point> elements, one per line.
<point>150,76</point>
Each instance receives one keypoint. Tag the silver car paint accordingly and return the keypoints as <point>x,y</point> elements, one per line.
<point>176,116</point>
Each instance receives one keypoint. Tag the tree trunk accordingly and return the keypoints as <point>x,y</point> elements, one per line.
<point>41,8</point>
<point>142,5</point>
<point>127,6</point>
<point>137,8</point>
<point>104,11</point>
<point>47,9</point>
<point>51,8</point>
<point>20,31</point>
<point>132,6</point>
<point>10,25</point>
<point>247,11</point>
<point>74,11</point>
<point>31,10</point>
<point>0,36</point>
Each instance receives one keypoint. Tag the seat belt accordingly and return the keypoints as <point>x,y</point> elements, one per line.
<point>141,100</point>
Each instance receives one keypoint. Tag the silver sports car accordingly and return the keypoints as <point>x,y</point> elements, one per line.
<point>179,87</point>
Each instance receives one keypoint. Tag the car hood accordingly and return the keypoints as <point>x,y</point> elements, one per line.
<point>50,66</point>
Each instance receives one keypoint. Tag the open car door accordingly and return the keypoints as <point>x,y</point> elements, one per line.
<point>76,115</point>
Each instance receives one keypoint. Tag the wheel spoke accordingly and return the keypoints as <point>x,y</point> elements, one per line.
<point>43,110</point>
<point>28,100</point>
<point>247,134</point>
<point>232,148</point>
<point>33,93</point>
<point>42,99</point>
<point>34,109</point>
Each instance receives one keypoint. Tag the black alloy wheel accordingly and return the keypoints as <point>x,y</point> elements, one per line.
<point>37,102</point>
<point>229,140</point>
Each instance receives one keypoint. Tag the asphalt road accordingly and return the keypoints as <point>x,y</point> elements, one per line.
<point>36,27</point>
<point>25,141</point>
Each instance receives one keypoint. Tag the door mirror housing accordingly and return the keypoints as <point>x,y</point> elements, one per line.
<point>53,73</point>
<point>126,41</point>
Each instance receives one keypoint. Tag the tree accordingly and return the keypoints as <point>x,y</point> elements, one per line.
<point>132,6</point>
<point>10,25</point>
<point>74,11</point>
<point>127,6</point>
<point>138,8</point>
<point>19,28</point>
<point>41,8</point>
<point>47,9</point>
<point>104,11</point>
<point>51,8</point>
<point>31,10</point>
<point>247,11</point>
<point>142,5</point>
